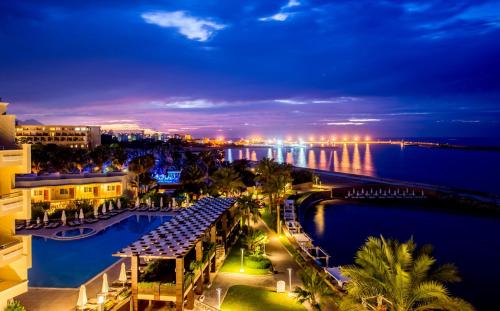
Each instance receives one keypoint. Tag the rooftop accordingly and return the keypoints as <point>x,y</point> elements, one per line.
<point>33,180</point>
<point>176,237</point>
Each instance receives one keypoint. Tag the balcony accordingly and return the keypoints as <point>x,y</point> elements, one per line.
<point>11,203</point>
<point>13,157</point>
<point>11,249</point>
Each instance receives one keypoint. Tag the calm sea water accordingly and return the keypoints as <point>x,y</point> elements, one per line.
<point>464,169</point>
<point>471,242</point>
<point>72,263</point>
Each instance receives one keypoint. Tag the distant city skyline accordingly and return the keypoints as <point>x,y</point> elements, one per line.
<point>256,68</point>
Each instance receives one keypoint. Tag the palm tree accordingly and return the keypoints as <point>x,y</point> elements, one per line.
<point>255,240</point>
<point>193,179</point>
<point>395,276</point>
<point>249,208</point>
<point>312,289</point>
<point>227,180</point>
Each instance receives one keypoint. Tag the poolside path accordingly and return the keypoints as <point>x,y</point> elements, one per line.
<point>64,299</point>
<point>281,259</point>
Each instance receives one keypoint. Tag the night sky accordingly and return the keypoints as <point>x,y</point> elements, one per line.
<point>256,67</point>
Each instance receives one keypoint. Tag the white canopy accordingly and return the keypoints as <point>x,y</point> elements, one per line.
<point>123,274</point>
<point>105,286</point>
<point>63,217</point>
<point>81,214</point>
<point>103,209</point>
<point>119,204</point>
<point>45,217</point>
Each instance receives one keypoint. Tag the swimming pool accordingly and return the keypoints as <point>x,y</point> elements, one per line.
<point>74,233</point>
<point>71,263</point>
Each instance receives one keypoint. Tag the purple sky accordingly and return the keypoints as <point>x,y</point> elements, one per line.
<point>255,67</point>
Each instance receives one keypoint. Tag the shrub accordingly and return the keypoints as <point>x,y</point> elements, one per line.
<point>257,262</point>
<point>14,306</point>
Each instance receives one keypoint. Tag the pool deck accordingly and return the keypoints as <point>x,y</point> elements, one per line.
<point>97,227</point>
<point>64,299</point>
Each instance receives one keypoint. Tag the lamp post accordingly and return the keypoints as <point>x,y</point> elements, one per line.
<point>241,264</point>
<point>290,279</point>
<point>219,290</point>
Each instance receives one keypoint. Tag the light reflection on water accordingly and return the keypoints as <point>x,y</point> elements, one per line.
<point>317,158</point>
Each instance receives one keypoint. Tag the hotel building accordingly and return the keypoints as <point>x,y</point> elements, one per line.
<point>87,137</point>
<point>15,251</point>
<point>61,190</point>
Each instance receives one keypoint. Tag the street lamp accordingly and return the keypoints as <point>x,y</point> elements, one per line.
<point>219,290</point>
<point>290,279</point>
<point>241,265</point>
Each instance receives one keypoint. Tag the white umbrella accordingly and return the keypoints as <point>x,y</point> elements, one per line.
<point>105,286</point>
<point>96,212</point>
<point>76,215</point>
<point>63,217</point>
<point>123,274</point>
<point>110,206</point>
<point>38,220</point>
<point>45,217</point>
<point>119,204</point>
<point>104,208</point>
<point>137,203</point>
<point>82,297</point>
<point>161,202</point>
<point>81,214</point>
<point>174,203</point>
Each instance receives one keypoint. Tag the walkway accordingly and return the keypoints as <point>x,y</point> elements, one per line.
<point>281,259</point>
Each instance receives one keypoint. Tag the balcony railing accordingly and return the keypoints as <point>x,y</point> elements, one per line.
<point>10,249</point>
<point>156,288</point>
<point>11,202</point>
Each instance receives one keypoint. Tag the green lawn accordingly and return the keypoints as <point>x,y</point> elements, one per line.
<point>233,263</point>
<point>248,298</point>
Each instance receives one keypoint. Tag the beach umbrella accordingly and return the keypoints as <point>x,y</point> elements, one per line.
<point>45,217</point>
<point>63,217</point>
<point>38,220</point>
<point>81,214</point>
<point>119,204</point>
<point>123,274</point>
<point>105,286</point>
<point>161,202</point>
<point>110,206</point>
<point>82,297</point>
<point>96,212</point>
<point>174,203</point>
<point>137,203</point>
<point>76,215</point>
<point>103,209</point>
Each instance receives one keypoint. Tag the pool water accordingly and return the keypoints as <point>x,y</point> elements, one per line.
<point>72,263</point>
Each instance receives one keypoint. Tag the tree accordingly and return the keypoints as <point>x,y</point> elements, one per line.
<point>193,179</point>
<point>254,241</point>
<point>249,208</point>
<point>242,166</point>
<point>141,166</point>
<point>14,306</point>
<point>227,181</point>
<point>312,289</point>
<point>393,276</point>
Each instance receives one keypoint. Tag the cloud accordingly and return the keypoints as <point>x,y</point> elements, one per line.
<point>191,27</point>
<point>345,123</point>
<point>364,120</point>
<point>188,104</point>
<point>283,13</point>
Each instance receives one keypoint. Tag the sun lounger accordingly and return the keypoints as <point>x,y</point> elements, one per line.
<point>132,208</point>
<point>154,209</point>
<point>34,226</point>
<point>53,225</point>
<point>104,217</point>
<point>20,227</point>
<point>73,223</point>
<point>113,213</point>
<point>91,220</point>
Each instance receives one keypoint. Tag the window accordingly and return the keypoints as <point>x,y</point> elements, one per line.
<point>111,188</point>
<point>87,189</point>
<point>37,192</point>
<point>63,191</point>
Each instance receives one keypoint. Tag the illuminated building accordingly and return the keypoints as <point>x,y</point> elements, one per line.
<point>60,190</point>
<point>15,251</point>
<point>64,135</point>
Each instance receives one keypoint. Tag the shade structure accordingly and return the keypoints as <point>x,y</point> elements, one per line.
<point>174,203</point>
<point>123,274</point>
<point>110,206</point>
<point>137,203</point>
<point>81,214</point>
<point>103,209</point>
<point>161,202</point>
<point>82,297</point>
<point>105,286</point>
<point>45,217</point>
<point>119,204</point>
<point>96,212</point>
<point>63,217</point>
<point>38,220</point>
<point>76,215</point>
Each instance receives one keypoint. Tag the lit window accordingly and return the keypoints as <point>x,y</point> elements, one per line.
<point>87,189</point>
<point>111,188</point>
<point>63,191</point>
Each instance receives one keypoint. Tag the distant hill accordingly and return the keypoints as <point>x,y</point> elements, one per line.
<point>28,122</point>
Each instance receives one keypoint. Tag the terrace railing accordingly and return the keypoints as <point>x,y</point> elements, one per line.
<point>156,288</point>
